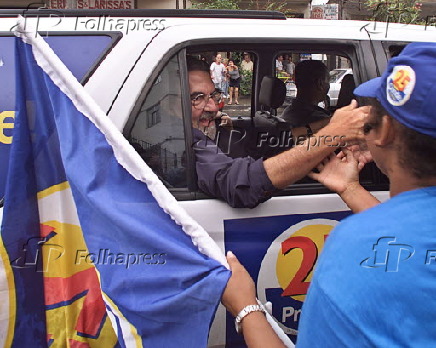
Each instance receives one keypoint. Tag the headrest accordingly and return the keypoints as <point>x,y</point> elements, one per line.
<point>272,92</point>
<point>346,92</point>
<point>264,119</point>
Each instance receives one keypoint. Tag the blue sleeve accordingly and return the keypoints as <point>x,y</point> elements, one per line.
<point>241,182</point>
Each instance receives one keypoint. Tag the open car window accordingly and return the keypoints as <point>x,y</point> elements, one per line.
<point>338,67</point>
<point>157,130</point>
<point>236,80</point>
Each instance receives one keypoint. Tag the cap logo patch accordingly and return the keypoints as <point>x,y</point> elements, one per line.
<point>400,84</point>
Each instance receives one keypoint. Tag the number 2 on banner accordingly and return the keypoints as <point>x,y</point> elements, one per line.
<point>298,285</point>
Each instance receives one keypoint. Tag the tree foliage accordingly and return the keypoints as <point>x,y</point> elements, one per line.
<point>216,4</point>
<point>404,11</point>
<point>246,82</point>
<point>269,5</point>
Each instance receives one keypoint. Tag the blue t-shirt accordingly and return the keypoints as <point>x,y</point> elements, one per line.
<point>375,284</point>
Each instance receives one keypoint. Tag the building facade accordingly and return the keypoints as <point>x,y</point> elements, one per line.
<point>99,4</point>
<point>346,9</point>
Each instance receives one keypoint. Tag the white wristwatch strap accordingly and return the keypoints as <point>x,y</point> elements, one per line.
<point>243,313</point>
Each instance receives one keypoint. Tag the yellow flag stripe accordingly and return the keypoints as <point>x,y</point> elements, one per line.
<point>52,189</point>
<point>11,292</point>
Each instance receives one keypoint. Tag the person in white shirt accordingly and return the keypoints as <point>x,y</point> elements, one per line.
<point>217,71</point>
<point>279,64</point>
<point>280,71</point>
<point>290,67</point>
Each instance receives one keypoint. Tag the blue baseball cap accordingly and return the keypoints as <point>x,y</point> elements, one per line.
<point>407,89</point>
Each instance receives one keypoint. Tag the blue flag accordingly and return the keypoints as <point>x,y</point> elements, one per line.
<point>95,252</point>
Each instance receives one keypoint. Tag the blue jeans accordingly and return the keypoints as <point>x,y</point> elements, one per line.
<point>225,87</point>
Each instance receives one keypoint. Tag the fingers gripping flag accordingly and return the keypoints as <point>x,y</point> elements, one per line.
<point>96,251</point>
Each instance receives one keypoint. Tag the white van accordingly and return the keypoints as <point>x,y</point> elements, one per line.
<point>133,64</point>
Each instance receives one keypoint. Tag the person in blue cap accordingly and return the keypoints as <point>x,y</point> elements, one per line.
<point>375,281</point>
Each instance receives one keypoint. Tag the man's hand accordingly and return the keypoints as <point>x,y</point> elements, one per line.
<point>361,153</point>
<point>338,172</point>
<point>226,121</point>
<point>348,122</point>
<point>240,290</point>
<point>239,293</point>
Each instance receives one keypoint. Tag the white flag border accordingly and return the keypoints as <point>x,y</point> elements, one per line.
<point>126,156</point>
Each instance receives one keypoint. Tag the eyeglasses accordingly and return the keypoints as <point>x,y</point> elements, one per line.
<point>368,126</point>
<point>200,100</point>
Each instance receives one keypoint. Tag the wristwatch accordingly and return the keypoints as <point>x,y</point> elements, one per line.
<point>242,314</point>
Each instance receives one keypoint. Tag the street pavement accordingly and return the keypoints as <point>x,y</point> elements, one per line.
<point>243,108</point>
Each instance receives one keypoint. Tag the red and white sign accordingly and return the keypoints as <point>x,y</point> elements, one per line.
<point>91,4</point>
<point>328,11</point>
<point>317,12</point>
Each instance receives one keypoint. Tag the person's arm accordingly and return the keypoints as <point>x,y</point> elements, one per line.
<point>346,125</point>
<point>242,182</point>
<point>212,68</point>
<point>239,293</point>
<point>340,173</point>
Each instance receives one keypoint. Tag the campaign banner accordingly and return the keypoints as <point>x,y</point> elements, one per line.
<point>280,253</point>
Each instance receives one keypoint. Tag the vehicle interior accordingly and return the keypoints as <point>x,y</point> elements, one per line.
<point>162,136</point>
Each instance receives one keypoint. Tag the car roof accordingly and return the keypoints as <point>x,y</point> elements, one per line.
<point>341,29</point>
<point>154,45</point>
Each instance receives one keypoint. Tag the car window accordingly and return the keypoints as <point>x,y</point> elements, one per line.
<point>80,53</point>
<point>157,132</point>
<point>338,67</point>
<point>393,50</point>
<point>237,80</point>
<point>157,129</point>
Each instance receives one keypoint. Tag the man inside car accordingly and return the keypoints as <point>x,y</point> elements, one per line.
<point>312,82</point>
<point>246,182</point>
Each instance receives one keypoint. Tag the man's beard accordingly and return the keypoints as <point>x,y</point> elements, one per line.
<point>206,123</point>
